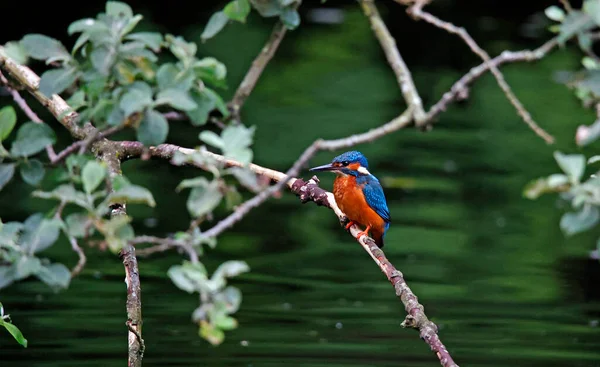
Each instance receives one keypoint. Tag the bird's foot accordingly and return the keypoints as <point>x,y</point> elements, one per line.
<point>363,233</point>
<point>350,224</point>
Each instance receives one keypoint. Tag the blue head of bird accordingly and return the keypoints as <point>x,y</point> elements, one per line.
<point>352,163</point>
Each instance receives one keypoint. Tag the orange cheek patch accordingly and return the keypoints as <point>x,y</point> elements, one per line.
<point>354,166</point>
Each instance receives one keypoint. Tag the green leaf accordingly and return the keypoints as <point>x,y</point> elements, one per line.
<point>16,51</point>
<point>204,105</point>
<point>132,194</point>
<point>592,8</point>
<point>92,175</point>
<point>32,171</point>
<point>179,278</point>
<point>237,10</point>
<point>118,9</point>
<point>290,17</point>
<point>231,298</point>
<point>555,13</point>
<point>66,193</point>
<point>77,100</point>
<point>152,40</point>
<point>170,76</point>
<point>204,198</point>
<point>81,25</point>
<point>184,51</point>
<point>246,177</point>
<point>557,180</point>
<point>135,100</point>
<point>7,275</point>
<point>77,224</point>
<point>55,81</point>
<point>15,332</point>
<point>230,269</point>
<point>211,138</point>
<point>267,8</point>
<point>8,119</point>
<point>225,322</point>
<point>215,24</point>
<point>7,171</point>
<point>211,333</point>
<point>211,70</point>
<point>576,222</point>
<point>26,266</point>
<point>32,138</point>
<point>575,22</point>
<point>219,103</point>
<point>42,47</point>
<point>176,98</point>
<point>236,140</point>
<point>571,164</point>
<point>38,236</point>
<point>102,59</point>
<point>57,276</point>
<point>153,129</point>
<point>188,277</point>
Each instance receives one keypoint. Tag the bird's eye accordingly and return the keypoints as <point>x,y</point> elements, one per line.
<point>345,163</point>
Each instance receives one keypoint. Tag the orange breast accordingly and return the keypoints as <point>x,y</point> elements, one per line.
<point>349,197</point>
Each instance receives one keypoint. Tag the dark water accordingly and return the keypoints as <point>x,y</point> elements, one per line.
<point>492,268</point>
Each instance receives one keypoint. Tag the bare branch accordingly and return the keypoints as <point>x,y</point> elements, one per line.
<point>22,103</point>
<point>418,13</point>
<point>388,44</point>
<point>163,244</point>
<point>258,65</point>
<point>56,105</point>
<point>505,57</point>
<point>106,152</point>
<point>82,258</point>
<point>310,191</point>
<point>567,5</point>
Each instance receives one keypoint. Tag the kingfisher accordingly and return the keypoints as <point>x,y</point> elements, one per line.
<point>359,194</point>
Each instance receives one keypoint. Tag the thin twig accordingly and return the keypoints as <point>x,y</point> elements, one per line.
<point>163,244</point>
<point>461,85</point>
<point>107,153</point>
<point>258,65</point>
<point>22,103</point>
<point>403,75</point>
<point>567,5</point>
<point>82,258</point>
<point>55,104</point>
<point>82,146</point>
<point>418,13</point>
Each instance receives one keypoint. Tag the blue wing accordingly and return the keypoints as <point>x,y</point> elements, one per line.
<point>374,196</point>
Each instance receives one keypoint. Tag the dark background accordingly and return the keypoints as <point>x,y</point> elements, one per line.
<point>491,267</point>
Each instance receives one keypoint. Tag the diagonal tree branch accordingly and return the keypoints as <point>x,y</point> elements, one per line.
<point>417,12</point>
<point>258,65</point>
<point>388,44</point>
<point>310,191</point>
<point>461,85</point>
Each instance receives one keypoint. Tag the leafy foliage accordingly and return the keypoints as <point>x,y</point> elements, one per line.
<point>11,328</point>
<point>238,11</point>
<point>116,76</point>
<point>219,301</point>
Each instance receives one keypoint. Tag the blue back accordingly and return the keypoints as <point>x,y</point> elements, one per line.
<point>375,197</point>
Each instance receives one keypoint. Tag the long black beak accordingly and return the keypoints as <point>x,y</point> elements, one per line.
<point>325,167</point>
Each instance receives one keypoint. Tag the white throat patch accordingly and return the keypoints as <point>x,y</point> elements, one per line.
<point>363,171</point>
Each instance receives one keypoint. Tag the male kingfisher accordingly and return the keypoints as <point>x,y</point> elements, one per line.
<point>359,194</point>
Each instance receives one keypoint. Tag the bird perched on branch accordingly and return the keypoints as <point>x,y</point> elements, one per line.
<point>359,194</point>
